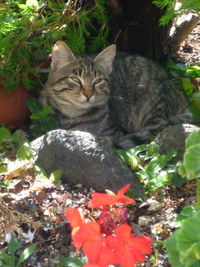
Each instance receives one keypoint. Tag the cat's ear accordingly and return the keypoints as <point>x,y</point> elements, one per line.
<point>105,58</point>
<point>61,56</point>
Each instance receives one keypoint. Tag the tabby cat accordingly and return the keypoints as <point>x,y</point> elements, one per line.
<point>125,98</point>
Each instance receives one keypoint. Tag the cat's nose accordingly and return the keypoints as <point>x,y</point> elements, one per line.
<point>88,94</point>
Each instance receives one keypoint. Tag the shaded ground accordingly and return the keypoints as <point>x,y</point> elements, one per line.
<point>46,203</point>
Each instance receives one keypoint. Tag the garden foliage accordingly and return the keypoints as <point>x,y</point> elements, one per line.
<point>183,245</point>
<point>30,28</point>
<point>171,11</point>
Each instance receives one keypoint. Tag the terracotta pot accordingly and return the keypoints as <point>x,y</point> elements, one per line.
<point>13,109</point>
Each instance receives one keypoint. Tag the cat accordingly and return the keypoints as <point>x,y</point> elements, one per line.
<point>126,99</point>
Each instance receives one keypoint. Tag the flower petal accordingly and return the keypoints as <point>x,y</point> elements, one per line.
<point>101,200</point>
<point>123,232</point>
<point>74,217</point>
<point>123,190</point>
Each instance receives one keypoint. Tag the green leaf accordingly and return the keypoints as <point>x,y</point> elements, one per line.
<point>49,123</point>
<point>196,96</point>
<point>178,180</point>
<point>55,176</point>
<point>26,253</point>
<point>173,252</point>
<point>188,240</point>
<point>182,170</point>
<point>3,168</point>
<point>70,262</point>
<point>45,111</point>
<point>159,162</point>
<point>4,134</point>
<point>32,3</point>
<point>193,139</point>
<point>152,151</point>
<point>139,149</point>
<point>7,260</point>
<point>188,87</point>
<point>191,161</point>
<point>125,156</point>
<point>193,71</point>
<point>24,152</point>
<point>186,213</point>
<point>195,109</point>
<point>19,137</point>
<point>34,105</point>
<point>13,245</point>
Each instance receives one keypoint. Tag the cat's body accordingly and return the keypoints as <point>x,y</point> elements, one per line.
<point>125,99</point>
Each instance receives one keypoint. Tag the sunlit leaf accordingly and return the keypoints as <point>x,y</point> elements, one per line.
<point>70,262</point>
<point>24,152</point>
<point>188,87</point>
<point>4,134</point>
<point>26,253</point>
<point>191,161</point>
<point>55,176</point>
<point>186,213</point>
<point>193,139</point>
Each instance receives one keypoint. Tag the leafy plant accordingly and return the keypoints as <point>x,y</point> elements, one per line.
<point>43,120</point>
<point>9,140</point>
<point>183,245</point>
<point>183,77</point>
<point>23,157</point>
<point>171,12</point>
<point>30,28</point>
<point>10,259</point>
<point>108,240</point>
<point>153,169</point>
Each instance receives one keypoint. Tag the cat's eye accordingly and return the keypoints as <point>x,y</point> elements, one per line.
<point>97,81</point>
<point>75,79</point>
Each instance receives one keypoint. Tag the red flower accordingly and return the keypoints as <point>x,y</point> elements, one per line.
<point>88,237</point>
<point>110,219</point>
<point>75,217</point>
<point>81,231</point>
<point>102,199</point>
<point>108,241</point>
<point>128,247</point>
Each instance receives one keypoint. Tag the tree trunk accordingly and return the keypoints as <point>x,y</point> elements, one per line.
<point>135,28</point>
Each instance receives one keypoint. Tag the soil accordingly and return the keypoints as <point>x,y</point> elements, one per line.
<point>189,52</point>
<point>46,204</point>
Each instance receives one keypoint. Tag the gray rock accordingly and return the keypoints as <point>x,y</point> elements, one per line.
<point>146,220</point>
<point>84,159</point>
<point>173,137</point>
<point>154,205</point>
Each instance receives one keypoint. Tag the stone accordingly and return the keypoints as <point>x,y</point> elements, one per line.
<point>146,220</point>
<point>154,205</point>
<point>173,137</point>
<point>84,159</point>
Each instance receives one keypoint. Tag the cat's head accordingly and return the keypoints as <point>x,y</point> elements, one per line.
<point>81,81</point>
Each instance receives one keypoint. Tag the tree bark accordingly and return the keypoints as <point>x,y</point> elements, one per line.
<point>185,25</point>
<point>135,28</point>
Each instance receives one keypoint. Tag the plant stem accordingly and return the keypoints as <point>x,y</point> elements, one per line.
<point>198,194</point>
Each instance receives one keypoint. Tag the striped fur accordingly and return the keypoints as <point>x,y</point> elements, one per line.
<point>126,99</point>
